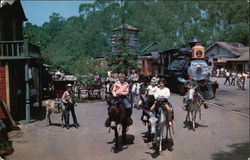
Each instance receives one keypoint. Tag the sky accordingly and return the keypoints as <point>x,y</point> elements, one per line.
<point>38,12</point>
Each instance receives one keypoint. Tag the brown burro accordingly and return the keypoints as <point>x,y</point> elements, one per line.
<point>118,116</point>
<point>54,106</point>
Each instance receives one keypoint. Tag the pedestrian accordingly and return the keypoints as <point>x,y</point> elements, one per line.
<point>69,102</point>
<point>239,80</point>
<point>217,72</point>
<point>244,78</point>
<point>233,77</point>
<point>227,78</point>
<point>222,72</point>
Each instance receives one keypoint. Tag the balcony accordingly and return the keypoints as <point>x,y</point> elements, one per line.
<point>13,50</point>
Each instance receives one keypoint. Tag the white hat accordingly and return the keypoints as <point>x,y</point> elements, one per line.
<point>69,85</point>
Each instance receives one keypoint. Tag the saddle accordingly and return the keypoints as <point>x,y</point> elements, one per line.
<point>58,104</point>
<point>115,102</point>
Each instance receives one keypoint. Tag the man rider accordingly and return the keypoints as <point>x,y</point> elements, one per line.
<point>120,88</point>
<point>191,83</point>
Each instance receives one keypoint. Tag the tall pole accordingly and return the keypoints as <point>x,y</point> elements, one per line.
<point>27,106</point>
<point>27,97</point>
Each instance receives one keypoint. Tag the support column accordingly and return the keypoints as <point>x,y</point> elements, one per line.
<point>27,104</point>
<point>40,85</point>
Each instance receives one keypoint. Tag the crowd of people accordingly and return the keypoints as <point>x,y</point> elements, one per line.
<point>233,78</point>
<point>155,90</point>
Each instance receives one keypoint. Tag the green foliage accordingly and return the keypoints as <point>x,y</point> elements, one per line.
<point>69,43</point>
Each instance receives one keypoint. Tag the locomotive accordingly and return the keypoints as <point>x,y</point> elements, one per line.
<point>177,63</point>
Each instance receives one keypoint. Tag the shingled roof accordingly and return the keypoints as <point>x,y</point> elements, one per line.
<point>236,49</point>
<point>12,7</point>
<point>243,57</point>
<point>3,2</point>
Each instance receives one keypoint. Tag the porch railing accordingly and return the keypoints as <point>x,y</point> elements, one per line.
<point>11,48</point>
<point>18,50</point>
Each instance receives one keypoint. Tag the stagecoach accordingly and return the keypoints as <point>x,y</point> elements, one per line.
<point>96,90</point>
<point>59,85</point>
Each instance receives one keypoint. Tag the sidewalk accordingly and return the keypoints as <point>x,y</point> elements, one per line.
<point>230,97</point>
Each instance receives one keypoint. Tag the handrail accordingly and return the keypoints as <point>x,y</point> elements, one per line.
<point>19,41</point>
<point>11,48</point>
<point>18,49</point>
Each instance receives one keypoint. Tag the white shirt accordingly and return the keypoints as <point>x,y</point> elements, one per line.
<point>244,75</point>
<point>227,74</point>
<point>162,92</point>
<point>155,79</point>
<point>233,75</point>
<point>239,75</point>
<point>151,90</point>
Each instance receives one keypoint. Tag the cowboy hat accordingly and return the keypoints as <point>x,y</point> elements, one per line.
<point>69,85</point>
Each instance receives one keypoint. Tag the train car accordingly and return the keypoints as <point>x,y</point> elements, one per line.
<point>177,63</point>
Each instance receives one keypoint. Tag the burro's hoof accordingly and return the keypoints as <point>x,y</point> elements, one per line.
<point>205,106</point>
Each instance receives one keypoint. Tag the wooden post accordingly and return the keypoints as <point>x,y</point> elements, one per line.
<point>40,84</point>
<point>26,46</point>
<point>27,106</point>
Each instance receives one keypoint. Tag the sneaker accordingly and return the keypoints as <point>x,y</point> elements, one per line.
<point>67,126</point>
<point>205,106</point>
<point>76,125</point>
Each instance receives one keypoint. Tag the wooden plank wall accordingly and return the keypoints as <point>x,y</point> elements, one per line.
<point>2,88</point>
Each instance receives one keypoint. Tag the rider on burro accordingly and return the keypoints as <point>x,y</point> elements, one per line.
<point>163,93</point>
<point>121,90</point>
<point>191,84</point>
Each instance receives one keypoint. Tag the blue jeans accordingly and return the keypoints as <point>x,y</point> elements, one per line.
<point>71,109</point>
<point>126,103</point>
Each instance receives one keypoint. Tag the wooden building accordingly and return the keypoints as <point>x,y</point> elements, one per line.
<point>239,64</point>
<point>20,62</point>
<point>130,34</point>
<point>224,54</point>
<point>149,63</point>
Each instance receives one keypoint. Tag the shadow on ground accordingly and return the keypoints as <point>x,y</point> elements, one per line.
<point>241,151</point>
<point>121,144</point>
<point>167,144</point>
<point>189,125</point>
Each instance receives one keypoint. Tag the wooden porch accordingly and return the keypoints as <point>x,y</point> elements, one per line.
<point>21,62</point>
